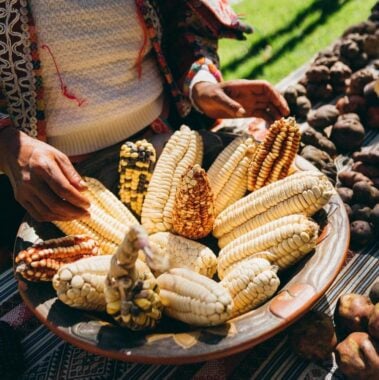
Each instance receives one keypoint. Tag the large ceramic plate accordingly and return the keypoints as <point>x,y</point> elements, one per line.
<point>176,343</point>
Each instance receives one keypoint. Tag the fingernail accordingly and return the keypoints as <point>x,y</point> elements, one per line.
<point>83,183</point>
<point>241,112</point>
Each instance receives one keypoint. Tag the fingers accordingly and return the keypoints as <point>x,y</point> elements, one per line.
<point>229,106</point>
<point>60,185</point>
<point>71,174</point>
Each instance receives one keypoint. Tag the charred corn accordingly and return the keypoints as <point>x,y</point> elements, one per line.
<point>303,192</point>
<point>228,174</point>
<point>131,291</point>
<point>193,213</point>
<point>184,149</point>
<point>183,253</point>
<point>193,298</point>
<point>41,261</point>
<point>275,155</point>
<point>135,169</point>
<point>109,218</point>
<point>288,243</point>
<point>81,284</point>
<point>251,283</point>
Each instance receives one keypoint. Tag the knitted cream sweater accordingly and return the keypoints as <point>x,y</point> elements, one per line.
<point>88,50</point>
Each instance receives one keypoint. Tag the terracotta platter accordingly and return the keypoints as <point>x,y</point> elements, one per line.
<point>176,343</point>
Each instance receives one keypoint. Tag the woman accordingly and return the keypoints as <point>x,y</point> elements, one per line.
<point>79,76</point>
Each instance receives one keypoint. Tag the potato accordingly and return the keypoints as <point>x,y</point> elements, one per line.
<point>348,178</point>
<point>313,337</point>
<point>310,136</point>
<point>365,193</point>
<point>350,115</point>
<point>319,91</point>
<point>371,93</point>
<point>360,212</point>
<point>303,106</point>
<point>361,233</point>
<point>372,117</point>
<point>359,80</point>
<point>346,194</point>
<point>347,135</point>
<point>318,74</point>
<point>339,72</point>
<point>351,104</point>
<point>352,312</point>
<point>366,169</point>
<point>323,116</point>
<point>358,357</point>
<point>374,292</point>
<point>290,94</point>
<point>374,217</point>
<point>373,322</point>
<point>368,154</point>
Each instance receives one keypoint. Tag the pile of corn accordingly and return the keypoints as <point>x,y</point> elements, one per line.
<point>259,213</point>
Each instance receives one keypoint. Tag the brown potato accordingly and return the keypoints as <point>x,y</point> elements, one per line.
<point>360,212</point>
<point>366,169</point>
<point>310,136</point>
<point>348,178</point>
<point>358,357</point>
<point>313,337</point>
<point>374,217</point>
<point>365,193</point>
<point>352,312</point>
<point>346,194</point>
<point>347,135</point>
<point>361,233</point>
<point>323,116</point>
<point>351,104</point>
<point>373,322</point>
<point>359,80</point>
<point>371,92</point>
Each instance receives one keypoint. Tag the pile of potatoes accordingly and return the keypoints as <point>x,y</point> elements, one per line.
<point>359,190</point>
<point>353,337</point>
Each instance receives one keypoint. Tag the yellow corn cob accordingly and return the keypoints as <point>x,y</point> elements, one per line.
<point>288,242</point>
<point>41,261</point>
<point>184,149</point>
<point>275,155</point>
<point>135,169</point>
<point>131,291</point>
<point>193,213</point>
<point>228,174</point>
<point>193,298</point>
<point>303,192</point>
<point>109,220</point>
<point>81,284</point>
<point>183,253</point>
<point>251,283</point>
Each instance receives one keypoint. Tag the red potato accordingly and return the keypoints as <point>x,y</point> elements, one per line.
<point>353,312</point>
<point>358,357</point>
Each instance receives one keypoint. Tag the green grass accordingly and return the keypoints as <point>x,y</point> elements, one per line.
<point>288,33</point>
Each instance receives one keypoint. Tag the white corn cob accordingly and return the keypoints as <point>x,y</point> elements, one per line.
<point>251,283</point>
<point>183,253</point>
<point>131,291</point>
<point>288,242</point>
<point>184,149</point>
<point>303,192</point>
<point>81,284</point>
<point>228,174</point>
<point>193,298</point>
<point>109,220</point>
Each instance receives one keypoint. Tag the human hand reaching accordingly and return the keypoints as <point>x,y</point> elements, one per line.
<point>240,98</point>
<point>43,179</point>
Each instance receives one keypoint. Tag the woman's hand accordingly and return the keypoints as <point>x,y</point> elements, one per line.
<point>43,179</point>
<point>240,98</point>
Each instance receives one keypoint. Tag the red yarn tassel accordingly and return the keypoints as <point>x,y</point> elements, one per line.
<point>65,91</point>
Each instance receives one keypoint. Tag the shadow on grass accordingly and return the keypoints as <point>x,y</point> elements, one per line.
<point>327,8</point>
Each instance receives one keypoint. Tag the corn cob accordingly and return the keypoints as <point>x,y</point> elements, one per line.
<point>184,149</point>
<point>303,192</point>
<point>183,253</point>
<point>81,284</point>
<point>131,291</point>
<point>109,220</point>
<point>275,155</point>
<point>193,213</point>
<point>228,174</point>
<point>135,169</point>
<point>193,298</point>
<point>251,283</point>
<point>41,261</point>
<point>288,241</point>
